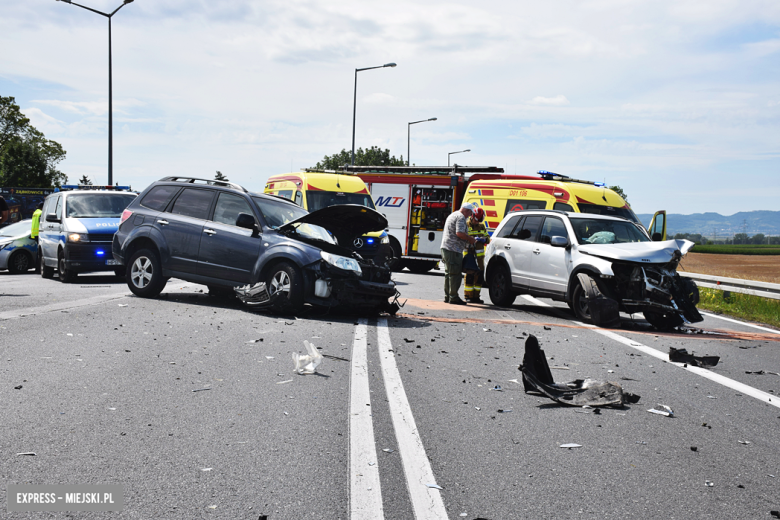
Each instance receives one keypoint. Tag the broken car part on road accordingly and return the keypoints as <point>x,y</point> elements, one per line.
<point>681,355</point>
<point>580,392</point>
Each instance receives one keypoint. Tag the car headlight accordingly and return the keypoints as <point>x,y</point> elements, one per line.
<point>78,237</point>
<point>4,245</point>
<point>385,240</point>
<point>342,262</point>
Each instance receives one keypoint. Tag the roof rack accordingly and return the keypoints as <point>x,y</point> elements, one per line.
<point>209,182</point>
<point>70,187</point>
<point>552,176</point>
<point>416,170</point>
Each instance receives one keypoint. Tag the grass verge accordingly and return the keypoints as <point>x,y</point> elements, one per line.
<point>739,249</point>
<point>743,306</point>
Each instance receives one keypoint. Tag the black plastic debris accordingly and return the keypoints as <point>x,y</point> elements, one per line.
<point>580,392</point>
<point>775,514</point>
<point>604,312</point>
<point>680,355</point>
<point>18,387</point>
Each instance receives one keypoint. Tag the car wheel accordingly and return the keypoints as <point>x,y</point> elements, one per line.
<point>500,287</point>
<point>66,275</point>
<point>144,274</point>
<point>19,263</point>
<point>285,287</point>
<point>120,271</point>
<point>420,266</point>
<point>579,302</point>
<point>46,272</point>
<point>663,320</point>
<point>398,266</point>
<point>691,290</point>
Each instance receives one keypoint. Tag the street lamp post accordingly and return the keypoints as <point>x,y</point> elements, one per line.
<point>409,133</point>
<point>448,155</point>
<point>110,93</point>
<point>354,104</point>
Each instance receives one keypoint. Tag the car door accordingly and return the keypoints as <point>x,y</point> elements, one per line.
<point>182,227</point>
<point>227,251</point>
<point>657,229</point>
<point>515,247</point>
<point>49,232</point>
<point>550,265</point>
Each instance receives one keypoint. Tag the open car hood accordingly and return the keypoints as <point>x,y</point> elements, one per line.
<point>345,221</point>
<point>640,252</point>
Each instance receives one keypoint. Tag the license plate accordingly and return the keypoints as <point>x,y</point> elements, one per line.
<point>112,262</point>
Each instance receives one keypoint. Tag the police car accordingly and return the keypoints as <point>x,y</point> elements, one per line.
<point>77,227</point>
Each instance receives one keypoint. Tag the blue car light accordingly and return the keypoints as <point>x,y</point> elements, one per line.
<point>369,240</point>
<point>100,252</point>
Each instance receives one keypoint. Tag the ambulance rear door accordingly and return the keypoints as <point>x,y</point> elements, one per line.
<point>392,200</point>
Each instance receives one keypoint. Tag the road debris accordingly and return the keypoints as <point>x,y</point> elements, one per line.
<point>201,389</point>
<point>580,392</point>
<point>708,483</point>
<point>29,453</point>
<point>682,356</point>
<point>665,410</point>
<point>258,340</point>
<point>434,486</point>
<point>307,363</point>
<point>571,445</point>
<point>18,387</point>
<point>283,382</point>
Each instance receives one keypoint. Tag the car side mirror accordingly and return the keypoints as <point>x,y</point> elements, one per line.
<point>247,221</point>
<point>52,217</point>
<point>559,241</point>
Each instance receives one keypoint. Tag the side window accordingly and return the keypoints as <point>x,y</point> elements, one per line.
<point>509,226</point>
<point>299,198</point>
<point>524,204</point>
<point>228,207</point>
<point>159,197</point>
<point>287,194</point>
<point>529,229</point>
<point>58,207</point>
<point>47,208</point>
<point>553,227</point>
<point>193,203</point>
<point>562,207</point>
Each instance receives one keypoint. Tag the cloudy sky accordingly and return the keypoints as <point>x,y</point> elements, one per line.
<point>678,102</point>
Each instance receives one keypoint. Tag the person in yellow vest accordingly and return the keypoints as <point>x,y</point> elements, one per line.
<point>36,221</point>
<point>474,280</point>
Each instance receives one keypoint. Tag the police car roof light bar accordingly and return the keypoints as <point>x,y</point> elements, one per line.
<point>66,187</point>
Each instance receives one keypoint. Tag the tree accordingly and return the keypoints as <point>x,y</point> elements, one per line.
<point>373,156</point>
<point>741,238</point>
<point>27,158</point>
<point>758,238</point>
<point>619,191</point>
<point>84,181</point>
<point>220,177</point>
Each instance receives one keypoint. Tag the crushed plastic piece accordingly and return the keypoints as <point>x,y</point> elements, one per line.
<point>708,483</point>
<point>258,340</point>
<point>30,453</point>
<point>665,410</point>
<point>682,356</point>
<point>744,442</point>
<point>571,445</point>
<point>434,486</point>
<point>537,378</point>
<point>201,389</point>
<point>497,388</point>
<point>206,469</point>
<point>501,410</point>
<point>122,304</point>
<point>283,382</point>
<point>307,364</point>
<point>387,450</point>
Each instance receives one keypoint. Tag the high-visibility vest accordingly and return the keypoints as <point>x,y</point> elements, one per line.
<point>36,220</point>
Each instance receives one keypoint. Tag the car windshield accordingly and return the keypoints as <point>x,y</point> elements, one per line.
<point>94,205</point>
<point>598,209</point>
<point>277,213</point>
<point>317,200</point>
<point>14,230</point>
<point>598,231</point>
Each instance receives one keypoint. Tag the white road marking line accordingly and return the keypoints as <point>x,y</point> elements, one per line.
<point>427,503</point>
<point>747,324</point>
<point>664,356</point>
<point>365,493</point>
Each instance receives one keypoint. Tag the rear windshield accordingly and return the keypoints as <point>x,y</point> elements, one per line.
<point>322,199</point>
<point>597,231</point>
<point>92,205</point>
<point>277,213</point>
<point>598,209</point>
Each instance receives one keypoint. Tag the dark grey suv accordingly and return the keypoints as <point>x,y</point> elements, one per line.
<point>266,250</point>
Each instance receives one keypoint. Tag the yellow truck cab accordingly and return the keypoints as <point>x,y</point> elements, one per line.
<point>314,190</point>
<point>498,196</point>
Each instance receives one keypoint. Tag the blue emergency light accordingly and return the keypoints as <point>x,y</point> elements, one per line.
<point>100,252</point>
<point>600,184</point>
<point>370,240</point>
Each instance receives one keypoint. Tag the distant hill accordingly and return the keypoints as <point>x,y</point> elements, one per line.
<point>707,224</point>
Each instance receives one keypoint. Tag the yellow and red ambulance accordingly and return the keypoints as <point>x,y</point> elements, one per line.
<point>314,190</point>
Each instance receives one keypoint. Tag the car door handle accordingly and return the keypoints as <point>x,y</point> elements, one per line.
<point>210,231</point>
<point>507,246</point>
<point>162,222</point>
<point>537,252</point>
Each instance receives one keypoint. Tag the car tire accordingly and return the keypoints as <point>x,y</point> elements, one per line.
<point>46,272</point>
<point>500,287</point>
<point>120,271</point>
<point>20,262</point>
<point>579,302</point>
<point>398,266</point>
<point>663,320</point>
<point>285,280</point>
<point>691,290</point>
<point>420,266</point>
<point>144,274</point>
<point>66,275</point>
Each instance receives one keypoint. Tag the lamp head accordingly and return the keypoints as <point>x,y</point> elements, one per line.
<point>432,119</point>
<point>385,65</point>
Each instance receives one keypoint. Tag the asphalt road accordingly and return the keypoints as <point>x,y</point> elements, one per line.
<point>190,403</point>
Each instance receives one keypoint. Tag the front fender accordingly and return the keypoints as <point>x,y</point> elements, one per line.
<point>601,267</point>
<point>299,255</point>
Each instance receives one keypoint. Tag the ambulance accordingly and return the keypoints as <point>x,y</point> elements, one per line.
<point>417,201</point>
<point>317,189</point>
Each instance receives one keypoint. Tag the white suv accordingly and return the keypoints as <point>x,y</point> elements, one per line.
<point>557,254</point>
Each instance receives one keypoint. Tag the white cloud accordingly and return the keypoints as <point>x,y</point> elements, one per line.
<point>559,100</point>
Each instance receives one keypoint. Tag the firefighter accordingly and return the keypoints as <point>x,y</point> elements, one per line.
<point>474,280</point>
